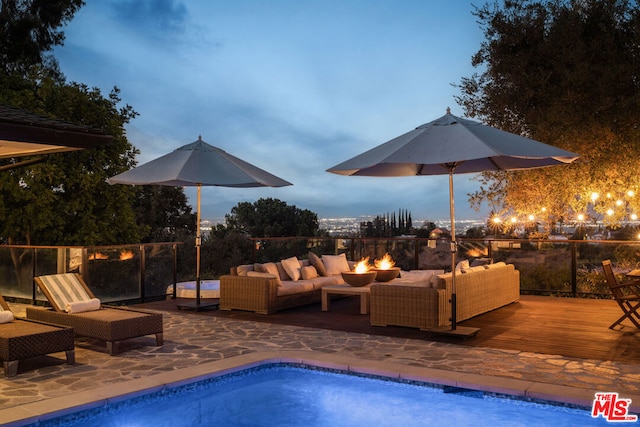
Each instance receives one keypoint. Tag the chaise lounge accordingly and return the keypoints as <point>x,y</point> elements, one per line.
<point>75,305</point>
<point>22,339</point>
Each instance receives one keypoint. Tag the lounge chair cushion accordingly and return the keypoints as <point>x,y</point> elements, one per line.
<point>82,306</point>
<point>65,289</point>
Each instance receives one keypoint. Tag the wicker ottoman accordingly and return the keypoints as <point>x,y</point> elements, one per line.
<point>22,339</point>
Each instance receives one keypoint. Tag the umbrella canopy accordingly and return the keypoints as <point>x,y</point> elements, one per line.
<point>452,142</point>
<point>198,164</point>
<point>451,145</point>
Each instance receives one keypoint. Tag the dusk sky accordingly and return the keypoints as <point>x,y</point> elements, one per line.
<point>293,87</point>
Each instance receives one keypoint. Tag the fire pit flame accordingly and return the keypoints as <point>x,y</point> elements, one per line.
<point>385,263</point>
<point>362,266</point>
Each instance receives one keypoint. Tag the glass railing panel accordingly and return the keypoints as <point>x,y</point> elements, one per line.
<point>159,270</point>
<point>113,273</point>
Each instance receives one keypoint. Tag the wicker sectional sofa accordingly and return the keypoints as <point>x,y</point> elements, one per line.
<point>478,290</point>
<point>251,288</point>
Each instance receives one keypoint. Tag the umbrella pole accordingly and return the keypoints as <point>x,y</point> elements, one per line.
<point>198,244</point>
<point>454,250</point>
<point>454,331</point>
<point>198,305</point>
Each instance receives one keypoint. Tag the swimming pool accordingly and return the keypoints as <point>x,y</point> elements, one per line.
<point>293,395</point>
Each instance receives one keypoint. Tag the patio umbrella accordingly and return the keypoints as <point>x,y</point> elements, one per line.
<point>452,145</point>
<point>198,164</point>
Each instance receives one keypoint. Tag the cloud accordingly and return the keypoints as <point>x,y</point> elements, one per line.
<point>292,87</point>
<point>154,18</point>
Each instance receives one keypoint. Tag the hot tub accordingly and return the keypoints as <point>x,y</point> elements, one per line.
<point>208,289</point>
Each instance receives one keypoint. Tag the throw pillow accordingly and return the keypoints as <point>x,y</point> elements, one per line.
<point>281,272</point>
<point>481,261</point>
<point>270,267</point>
<point>309,272</point>
<point>5,316</point>
<point>292,267</point>
<point>335,264</point>
<point>317,263</point>
<point>462,265</point>
<point>82,306</point>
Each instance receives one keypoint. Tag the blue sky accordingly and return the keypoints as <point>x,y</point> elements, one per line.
<point>294,87</point>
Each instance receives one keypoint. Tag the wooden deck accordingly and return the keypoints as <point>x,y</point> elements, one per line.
<point>570,327</point>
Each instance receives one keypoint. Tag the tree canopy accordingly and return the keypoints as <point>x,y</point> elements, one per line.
<point>66,200</point>
<point>566,73</point>
<point>272,218</point>
<point>30,28</point>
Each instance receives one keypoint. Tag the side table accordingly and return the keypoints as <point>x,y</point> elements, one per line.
<point>362,291</point>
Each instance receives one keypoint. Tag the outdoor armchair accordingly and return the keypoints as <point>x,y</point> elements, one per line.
<point>75,305</point>
<point>21,339</point>
<point>626,294</point>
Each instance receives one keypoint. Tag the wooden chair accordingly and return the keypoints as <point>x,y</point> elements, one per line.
<point>626,294</point>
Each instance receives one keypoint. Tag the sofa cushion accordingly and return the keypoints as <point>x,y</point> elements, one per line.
<point>496,265</point>
<point>261,274</point>
<point>474,269</point>
<point>289,287</point>
<point>292,267</point>
<point>243,269</point>
<point>308,272</point>
<point>481,261</point>
<point>335,264</point>
<point>317,263</point>
<point>321,281</point>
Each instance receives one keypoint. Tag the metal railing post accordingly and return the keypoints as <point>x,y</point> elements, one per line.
<point>142,273</point>
<point>574,268</point>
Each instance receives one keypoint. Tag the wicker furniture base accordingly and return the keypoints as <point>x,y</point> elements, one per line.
<point>110,324</point>
<point>405,305</point>
<point>428,308</point>
<point>22,339</point>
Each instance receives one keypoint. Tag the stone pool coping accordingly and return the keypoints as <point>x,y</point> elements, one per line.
<point>47,409</point>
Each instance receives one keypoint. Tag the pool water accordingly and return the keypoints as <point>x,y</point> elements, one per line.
<point>291,395</point>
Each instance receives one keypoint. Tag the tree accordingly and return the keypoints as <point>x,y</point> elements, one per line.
<point>272,218</point>
<point>66,200</point>
<point>164,211</point>
<point>567,73</point>
<point>29,29</point>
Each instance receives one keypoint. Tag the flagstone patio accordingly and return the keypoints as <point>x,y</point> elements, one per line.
<point>195,340</point>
